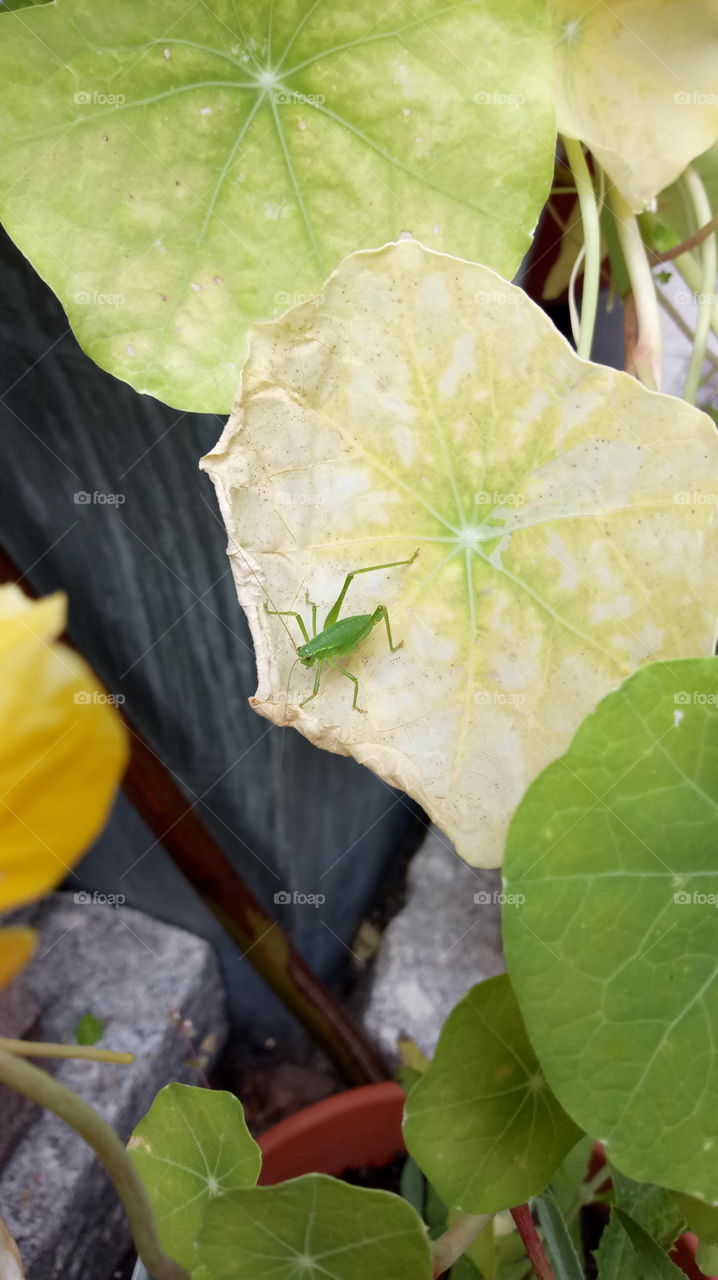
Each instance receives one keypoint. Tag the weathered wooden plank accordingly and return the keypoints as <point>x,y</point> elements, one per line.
<point>153,607</point>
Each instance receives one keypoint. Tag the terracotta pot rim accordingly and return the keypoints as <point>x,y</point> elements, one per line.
<point>346,1130</point>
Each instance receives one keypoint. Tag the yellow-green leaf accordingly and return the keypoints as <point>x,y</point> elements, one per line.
<point>177,171</point>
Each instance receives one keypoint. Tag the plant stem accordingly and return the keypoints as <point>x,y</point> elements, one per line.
<point>593,1185</point>
<point>49,1093</point>
<point>647,351</point>
<point>691,273</point>
<point>701,204</point>
<point>592,244</point>
<point>680,323</point>
<point>532,1243</point>
<point>669,255</point>
<point>456,1240</point>
<point>39,1049</point>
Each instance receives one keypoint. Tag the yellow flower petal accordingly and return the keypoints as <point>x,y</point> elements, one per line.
<point>62,749</point>
<point>16,948</point>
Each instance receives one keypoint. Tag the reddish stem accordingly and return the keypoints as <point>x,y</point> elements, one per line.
<point>532,1244</point>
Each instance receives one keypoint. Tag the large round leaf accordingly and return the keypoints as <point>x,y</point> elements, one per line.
<point>312,1228</point>
<point>422,402</point>
<point>482,1123</point>
<point>636,81</point>
<point>176,171</point>
<point>613,954</point>
<point>192,1147</point>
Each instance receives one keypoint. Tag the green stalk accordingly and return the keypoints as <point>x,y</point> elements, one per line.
<point>41,1049</point>
<point>691,272</point>
<point>706,298</point>
<point>456,1240</point>
<point>591,241</point>
<point>49,1093</point>
<point>647,352</point>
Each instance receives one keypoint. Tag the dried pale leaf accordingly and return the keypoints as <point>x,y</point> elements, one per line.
<point>636,81</point>
<point>421,401</point>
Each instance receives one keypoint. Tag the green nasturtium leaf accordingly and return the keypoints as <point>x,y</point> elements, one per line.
<point>636,81</point>
<point>653,1262</point>
<point>178,171</point>
<point>613,952</point>
<point>192,1149</point>
<point>563,516</point>
<point>701,1218</point>
<point>653,1208</point>
<point>313,1228</point>
<point>482,1123</point>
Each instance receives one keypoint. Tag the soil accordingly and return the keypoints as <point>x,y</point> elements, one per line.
<point>388,1178</point>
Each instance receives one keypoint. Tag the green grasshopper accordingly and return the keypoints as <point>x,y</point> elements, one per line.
<point>340,636</point>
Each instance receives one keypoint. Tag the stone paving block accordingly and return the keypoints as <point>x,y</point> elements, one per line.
<point>129,970</point>
<point>19,1015</point>
<point>443,941</point>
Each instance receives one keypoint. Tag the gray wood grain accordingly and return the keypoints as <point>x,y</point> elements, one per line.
<point>153,607</point>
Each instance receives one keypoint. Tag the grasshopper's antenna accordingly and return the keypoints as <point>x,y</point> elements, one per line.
<point>237,550</point>
<point>284,727</point>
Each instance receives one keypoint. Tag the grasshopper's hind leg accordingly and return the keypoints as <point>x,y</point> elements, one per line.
<point>370,568</point>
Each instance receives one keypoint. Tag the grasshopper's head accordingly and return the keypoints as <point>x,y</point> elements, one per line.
<point>305,658</point>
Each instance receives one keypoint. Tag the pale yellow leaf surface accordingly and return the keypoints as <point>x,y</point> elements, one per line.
<point>636,81</point>
<point>423,402</point>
